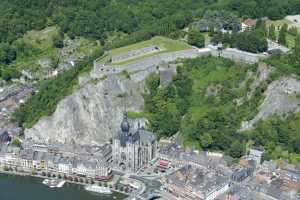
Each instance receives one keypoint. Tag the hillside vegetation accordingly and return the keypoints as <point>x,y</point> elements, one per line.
<point>201,104</point>
<point>205,105</point>
<point>50,92</point>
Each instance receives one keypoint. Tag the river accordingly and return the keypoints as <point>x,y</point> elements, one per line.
<point>30,188</point>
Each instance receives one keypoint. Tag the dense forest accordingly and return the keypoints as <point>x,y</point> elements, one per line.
<point>118,23</point>
<point>100,18</point>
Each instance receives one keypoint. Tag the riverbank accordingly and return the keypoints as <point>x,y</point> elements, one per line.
<point>24,174</point>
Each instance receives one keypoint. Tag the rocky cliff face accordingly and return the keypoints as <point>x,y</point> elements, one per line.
<point>92,114</point>
<point>281,97</point>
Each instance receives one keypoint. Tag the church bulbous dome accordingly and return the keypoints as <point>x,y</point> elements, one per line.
<point>125,125</point>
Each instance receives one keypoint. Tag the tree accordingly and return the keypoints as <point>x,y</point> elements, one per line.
<point>252,41</point>
<point>272,33</point>
<point>296,53</point>
<point>211,29</point>
<point>296,145</point>
<point>58,40</point>
<point>152,83</point>
<point>206,140</point>
<point>293,31</point>
<point>7,54</point>
<point>8,72</point>
<point>274,12</point>
<point>227,39</point>
<point>262,27</point>
<point>217,38</point>
<point>196,38</point>
<point>236,149</point>
<point>282,35</point>
<point>16,142</point>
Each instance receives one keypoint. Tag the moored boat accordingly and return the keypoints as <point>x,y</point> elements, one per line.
<point>54,183</point>
<point>98,189</point>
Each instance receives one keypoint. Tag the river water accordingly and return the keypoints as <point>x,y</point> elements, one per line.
<point>29,188</point>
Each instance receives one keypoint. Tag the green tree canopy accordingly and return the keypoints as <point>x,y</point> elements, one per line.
<point>282,35</point>
<point>272,33</point>
<point>196,38</point>
<point>252,41</point>
<point>296,54</point>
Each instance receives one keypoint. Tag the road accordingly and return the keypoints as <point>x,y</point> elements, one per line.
<point>152,186</point>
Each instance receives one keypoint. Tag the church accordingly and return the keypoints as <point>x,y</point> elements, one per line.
<point>132,149</point>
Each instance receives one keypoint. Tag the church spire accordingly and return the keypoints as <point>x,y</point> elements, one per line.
<point>125,124</point>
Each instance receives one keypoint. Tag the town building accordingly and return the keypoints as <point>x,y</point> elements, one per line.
<point>132,149</point>
<point>84,161</point>
<point>241,174</point>
<point>26,157</point>
<point>248,24</point>
<point>193,183</point>
<point>256,154</point>
<point>65,165</point>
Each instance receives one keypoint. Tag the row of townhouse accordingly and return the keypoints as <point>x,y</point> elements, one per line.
<point>29,159</point>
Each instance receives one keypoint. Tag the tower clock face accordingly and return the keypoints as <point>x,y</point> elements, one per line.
<point>123,156</point>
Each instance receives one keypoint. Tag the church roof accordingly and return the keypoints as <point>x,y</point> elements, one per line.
<point>4,136</point>
<point>128,135</point>
<point>146,135</point>
<point>250,22</point>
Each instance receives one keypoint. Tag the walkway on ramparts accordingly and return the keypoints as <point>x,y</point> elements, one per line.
<point>150,63</point>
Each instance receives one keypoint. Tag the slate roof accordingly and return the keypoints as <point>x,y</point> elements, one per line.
<point>127,135</point>
<point>200,180</point>
<point>4,136</point>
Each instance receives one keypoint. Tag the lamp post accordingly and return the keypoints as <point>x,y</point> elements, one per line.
<point>220,49</point>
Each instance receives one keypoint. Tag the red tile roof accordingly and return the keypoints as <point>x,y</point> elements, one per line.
<point>250,22</point>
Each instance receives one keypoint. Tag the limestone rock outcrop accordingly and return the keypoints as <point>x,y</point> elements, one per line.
<point>92,114</point>
<point>281,97</point>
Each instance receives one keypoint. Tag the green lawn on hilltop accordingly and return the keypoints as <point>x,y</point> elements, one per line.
<point>166,44</point>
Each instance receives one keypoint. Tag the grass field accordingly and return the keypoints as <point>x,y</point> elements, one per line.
<point>41,39</point>
<point>167,45</point>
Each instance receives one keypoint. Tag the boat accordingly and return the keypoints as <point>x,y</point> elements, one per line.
<point>46,181</point>
<point>54,183</point>
<point>60,184</point>
<point>98,189</point>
